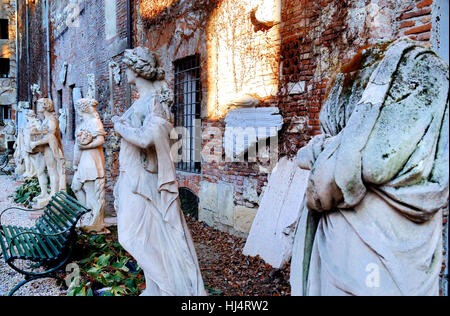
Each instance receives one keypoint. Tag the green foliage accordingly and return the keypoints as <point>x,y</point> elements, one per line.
<point>27,192</point>
<point>106,269</point>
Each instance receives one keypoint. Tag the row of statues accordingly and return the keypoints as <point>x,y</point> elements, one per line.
<point>372,219</point>
<point>151,225</point>
<point>40,153</point>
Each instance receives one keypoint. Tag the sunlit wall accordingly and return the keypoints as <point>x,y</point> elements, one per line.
<point>243,46</point>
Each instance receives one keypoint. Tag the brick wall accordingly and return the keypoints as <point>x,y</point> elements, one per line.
<point>289,65</point>
<point>83,46</point>
<point>8,50</point>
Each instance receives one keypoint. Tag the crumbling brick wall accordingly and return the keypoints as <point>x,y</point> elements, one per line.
<point>289,64</point>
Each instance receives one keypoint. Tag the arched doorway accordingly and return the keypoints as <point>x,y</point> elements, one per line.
<point>189,202</point>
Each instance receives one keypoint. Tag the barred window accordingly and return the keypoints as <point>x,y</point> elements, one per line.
<point>187,112</point>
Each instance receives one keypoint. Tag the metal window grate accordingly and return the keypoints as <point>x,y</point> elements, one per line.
<point>188,96</point>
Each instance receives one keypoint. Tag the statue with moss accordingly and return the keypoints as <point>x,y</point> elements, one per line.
<point>372,223</point>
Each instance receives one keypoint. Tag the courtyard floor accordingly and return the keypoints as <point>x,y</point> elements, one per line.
<point>226,271</point>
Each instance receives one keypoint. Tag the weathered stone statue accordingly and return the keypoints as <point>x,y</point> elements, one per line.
<point>89,164</point>
<point>33,159</point>
<point>379,179</point>
<point>10,134</point>
<point>150,222</point>
<point>18,154</point>
<point>50,144</point>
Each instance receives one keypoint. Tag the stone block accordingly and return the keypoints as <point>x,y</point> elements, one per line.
<point>272,234</point>
<point>207,202</point>
<point>243,219</point>
<point>216,203</point>
<point>250,191</point>
<point>225,206</point>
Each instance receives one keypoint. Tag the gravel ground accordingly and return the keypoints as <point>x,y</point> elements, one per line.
<point>8,277</point>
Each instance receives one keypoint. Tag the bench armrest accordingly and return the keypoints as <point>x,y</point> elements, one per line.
<point>19,209</point>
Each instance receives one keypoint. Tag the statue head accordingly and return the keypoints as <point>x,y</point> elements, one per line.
<point>45,105</point>
<point>86,106</point>
<point>142,62</point>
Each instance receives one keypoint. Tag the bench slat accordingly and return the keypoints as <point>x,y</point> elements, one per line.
<point>30,245</point>
<point>75,205</point>
<point>62,213</point>
<point>57,221</point>
<point>45,246</point>
<point>46,229</point>
<point>73,214</point>
<point>23,243</point>
<point>34,243</point>
<point>48,241</point>
<point>79,206</point>
<point>8,241</point>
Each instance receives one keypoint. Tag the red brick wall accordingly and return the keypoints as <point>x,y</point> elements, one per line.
<point>317,38</point>
<point>416,21</point>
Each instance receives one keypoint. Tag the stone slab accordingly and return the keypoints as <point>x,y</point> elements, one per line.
<point>244,218</point>
<point>272,234</point>
<point>247,126</point>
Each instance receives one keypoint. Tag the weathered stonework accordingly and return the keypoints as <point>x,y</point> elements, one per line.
<point>283,53</point>
<point>8,50</point>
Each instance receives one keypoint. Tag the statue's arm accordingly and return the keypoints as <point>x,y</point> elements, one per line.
<point>48,135</point>
<point>96,142</point>
<point>140,137</point>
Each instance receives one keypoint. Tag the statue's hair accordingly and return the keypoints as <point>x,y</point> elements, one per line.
<point>84,105</point>
<point>47,104</point>
<point>144,63</point>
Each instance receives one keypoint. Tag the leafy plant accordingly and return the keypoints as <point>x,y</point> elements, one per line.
<point>27,192</point>
<point>106,269</point>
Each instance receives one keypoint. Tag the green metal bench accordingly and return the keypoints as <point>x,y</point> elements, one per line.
<point>48,244</point>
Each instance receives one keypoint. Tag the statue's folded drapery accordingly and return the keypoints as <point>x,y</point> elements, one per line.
<point>150,222</point>
<point>380,179</point>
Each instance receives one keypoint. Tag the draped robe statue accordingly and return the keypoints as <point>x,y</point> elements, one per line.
<point>372,224</point>
<point>151,225</point>
<point>89,162</point>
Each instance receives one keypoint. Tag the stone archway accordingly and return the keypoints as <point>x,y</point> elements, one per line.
<point>189,202</point>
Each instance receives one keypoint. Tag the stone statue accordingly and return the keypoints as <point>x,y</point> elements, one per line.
<point>379,179</point>
<point>62,120</point>
<point>10,133</point>
<point>89,164</point>
<point>50,144</point>
<point>33,159</point>
<point>151,225</point>
<point>18,154</point>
